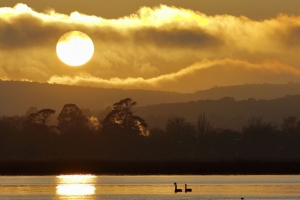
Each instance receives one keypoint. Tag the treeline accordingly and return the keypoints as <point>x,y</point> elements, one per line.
<point>120,135</point>
<point>55,167</point>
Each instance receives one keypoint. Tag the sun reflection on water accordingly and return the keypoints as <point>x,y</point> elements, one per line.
<point>75,189</point>
<point>75,185</point>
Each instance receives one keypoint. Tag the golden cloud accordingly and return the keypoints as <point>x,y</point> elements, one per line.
<point>164,48</point>
<point>208,73</point>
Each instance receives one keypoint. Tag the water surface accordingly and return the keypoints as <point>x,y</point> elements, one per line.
<point>149,187</point>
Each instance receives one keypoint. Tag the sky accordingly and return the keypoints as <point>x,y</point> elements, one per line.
<point>180,46</point>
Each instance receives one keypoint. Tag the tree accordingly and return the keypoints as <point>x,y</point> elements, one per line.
<point>291,125</point>
<point>121,119</point>
<point>38,120</point>
<point>257,126</point>
<point>44,114</point>
<point>11,124</point>
<point>71,120</point>
<point>40,117</point>
<point>178,126</point>
<point>203,124</point>
<point>31,119</point>
<point>101,116</point>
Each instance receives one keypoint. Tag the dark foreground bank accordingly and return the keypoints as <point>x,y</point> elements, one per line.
<point>146,168</point>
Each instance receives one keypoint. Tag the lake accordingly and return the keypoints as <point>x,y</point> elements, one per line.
<point>150,187</point>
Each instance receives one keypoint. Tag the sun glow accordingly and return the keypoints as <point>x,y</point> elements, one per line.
<point>75,48</point>
<point>75,185</point>
<point>76,179</point>
<point>75,189</point>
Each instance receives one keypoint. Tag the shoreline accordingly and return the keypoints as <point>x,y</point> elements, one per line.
<point>149,167</point>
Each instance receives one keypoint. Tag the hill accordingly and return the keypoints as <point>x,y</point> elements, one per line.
<point>257,91</point>
<point>16,97</point>
<point>227,112</point>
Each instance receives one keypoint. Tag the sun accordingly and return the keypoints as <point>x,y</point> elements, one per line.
<point>75,48</point>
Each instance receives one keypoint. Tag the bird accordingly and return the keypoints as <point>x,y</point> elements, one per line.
<point>177,190</point>
<point>187,189</point>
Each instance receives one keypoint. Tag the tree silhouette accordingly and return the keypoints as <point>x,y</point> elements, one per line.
<point>11,124</point>
<point>291,125</point>
<point>71,120</point>
<point>203,124</point>
<point>37,121</point>
<point>40,117</point>
<point>179,126</point>
<point>43,115</point>
<point>256,126</point>
<point>121,119</point>
<point>31,119</point>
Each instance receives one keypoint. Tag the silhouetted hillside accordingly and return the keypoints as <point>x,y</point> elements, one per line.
<point>224,113</point>
<point>16,97</point>
<point>257,91</point>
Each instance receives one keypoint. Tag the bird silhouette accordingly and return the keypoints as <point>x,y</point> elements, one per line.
<point>187,189</point>
<point>176,189</point>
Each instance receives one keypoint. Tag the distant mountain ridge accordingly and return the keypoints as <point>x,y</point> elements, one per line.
<point>256,91</point>
<point>16,96</point>
<point>226,113</point>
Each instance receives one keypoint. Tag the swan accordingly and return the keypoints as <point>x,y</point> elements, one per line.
<point>177,190</point>
<point>187,189</point>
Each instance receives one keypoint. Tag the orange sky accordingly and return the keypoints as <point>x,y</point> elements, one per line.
<point>178,46</point>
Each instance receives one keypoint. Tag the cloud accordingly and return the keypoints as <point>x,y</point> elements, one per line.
<point>208,73</point>
<point>163,48</point>
<point>175,38</point>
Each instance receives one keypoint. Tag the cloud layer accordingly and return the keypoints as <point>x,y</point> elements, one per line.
<point>160,48</point>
